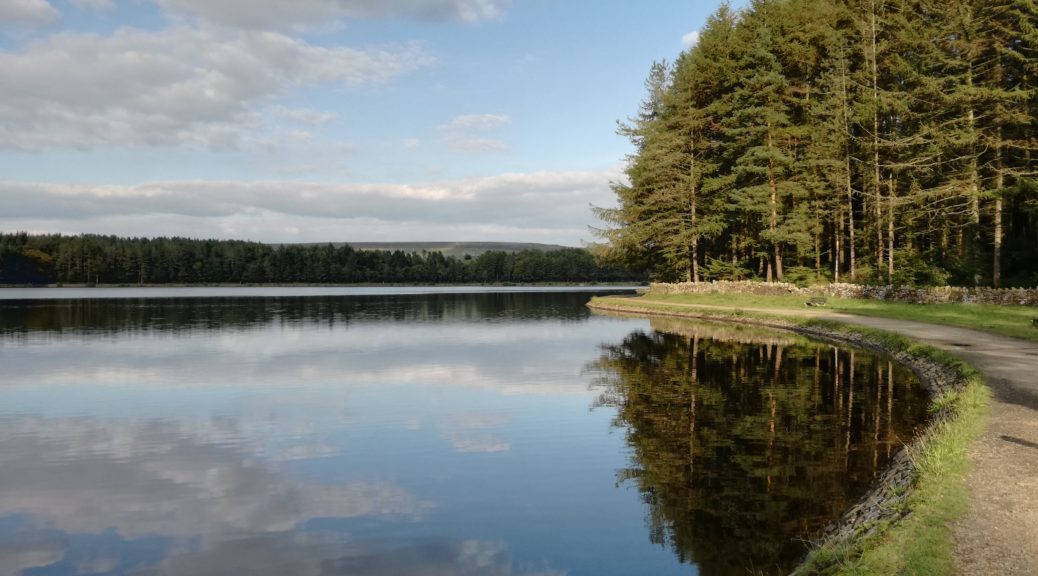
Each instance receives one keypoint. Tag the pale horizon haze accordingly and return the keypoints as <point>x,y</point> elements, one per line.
<point>323,120</point>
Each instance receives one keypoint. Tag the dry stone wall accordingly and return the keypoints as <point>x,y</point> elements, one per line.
<point>946,294</point>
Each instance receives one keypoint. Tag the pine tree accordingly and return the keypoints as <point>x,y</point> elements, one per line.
<point>760,139</point>
<point>631,231</point>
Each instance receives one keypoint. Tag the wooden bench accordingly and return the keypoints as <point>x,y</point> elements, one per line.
<point>816,301</point>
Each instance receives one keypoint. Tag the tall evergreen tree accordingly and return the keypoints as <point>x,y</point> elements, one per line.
<point>760,139</point>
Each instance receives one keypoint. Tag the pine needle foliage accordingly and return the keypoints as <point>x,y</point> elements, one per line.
<point>876,141</point>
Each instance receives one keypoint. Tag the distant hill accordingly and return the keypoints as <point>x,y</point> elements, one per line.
<point>456,249</point>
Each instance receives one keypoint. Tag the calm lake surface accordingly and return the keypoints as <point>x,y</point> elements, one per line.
<point>453,433</point>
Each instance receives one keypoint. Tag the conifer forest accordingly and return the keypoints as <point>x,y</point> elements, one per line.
<point>89,259</point>
<point>870,141</point>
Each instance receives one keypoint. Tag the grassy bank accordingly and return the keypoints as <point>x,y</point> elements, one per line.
<point>1013,321</point>
<point>921,541</point>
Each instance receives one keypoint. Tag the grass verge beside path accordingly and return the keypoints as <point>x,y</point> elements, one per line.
<point>1012,321</point>
<point>920,543</point>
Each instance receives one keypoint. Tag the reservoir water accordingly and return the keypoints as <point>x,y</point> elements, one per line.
<point>422,433</point>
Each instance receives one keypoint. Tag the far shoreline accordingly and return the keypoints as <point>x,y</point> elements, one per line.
<point>234,291</point>
<point>633,284</point>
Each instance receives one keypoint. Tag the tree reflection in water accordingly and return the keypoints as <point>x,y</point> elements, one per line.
<point>744,443</point>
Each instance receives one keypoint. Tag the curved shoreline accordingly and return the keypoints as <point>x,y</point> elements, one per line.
<point>887,502</point>
<point>927,371</point>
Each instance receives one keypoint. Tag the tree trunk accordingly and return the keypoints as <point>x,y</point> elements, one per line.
<point>694,264</point>
<point>694,384</point>
<point>837,248</point>
<point>850,224</point>
<point>818,254</point>
<point>996,264</point>
<point>890,230</point>
<point>974,185</point>
<point>850,405</point>
<point>996,269</point>
<point>877,210</point>
<point>876,195</point>
<point>773,218</point>
<point>974,203</point>
<point>847,170</point>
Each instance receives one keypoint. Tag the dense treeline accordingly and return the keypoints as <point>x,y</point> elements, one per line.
<point>885,141</point>
<point>89,259</point>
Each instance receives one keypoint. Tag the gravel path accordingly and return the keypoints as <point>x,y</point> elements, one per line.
<point>999,534</point>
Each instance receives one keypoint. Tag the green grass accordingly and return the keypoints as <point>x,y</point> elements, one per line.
<point>679,309</point>
<point>921,543</point>
<point>1013,321</point>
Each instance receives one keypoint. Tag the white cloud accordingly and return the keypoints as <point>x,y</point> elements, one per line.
<point>478,443</point>
<point>281,554</point>
<point>301,136</point>
<point>478,144</point>
<point>412,143</point>
<point>307,451</point>
<point>94,4</point>
<point>464,132</point>
<point>163,478</point>
<point>307,116</point>
<point>180,86</point>
<point>691,39</point>
<point>279,14</point>
<point>473,432</point>
<point>27,13</point>
<point>497,207</point>
<point>477,122</point>
<point>26,551</point>
<point>540,362</point>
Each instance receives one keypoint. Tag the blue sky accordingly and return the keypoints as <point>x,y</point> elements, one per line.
<point>322,120</point>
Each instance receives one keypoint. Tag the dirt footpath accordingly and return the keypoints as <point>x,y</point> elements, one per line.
<point>999,534</point>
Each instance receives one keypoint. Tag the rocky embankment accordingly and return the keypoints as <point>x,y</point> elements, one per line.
<point>886,500</point>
